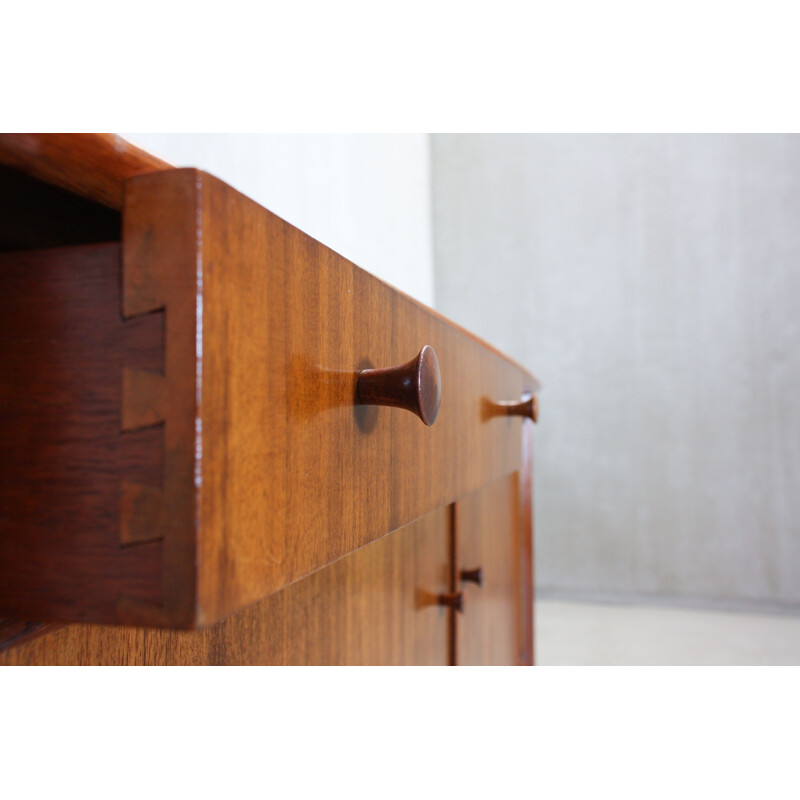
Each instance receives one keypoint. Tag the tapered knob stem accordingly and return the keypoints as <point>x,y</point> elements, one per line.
<point>527,408</point>
<point>472,575</point>
<point>454,600</point>
<point>415,386</point>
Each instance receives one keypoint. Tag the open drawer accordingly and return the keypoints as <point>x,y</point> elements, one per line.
<point>179,420</point>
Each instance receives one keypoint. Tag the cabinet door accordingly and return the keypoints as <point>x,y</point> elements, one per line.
<point>488,535</point>
<point>376,606</point>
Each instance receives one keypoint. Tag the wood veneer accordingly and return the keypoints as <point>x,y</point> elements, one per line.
<point>64,456</point>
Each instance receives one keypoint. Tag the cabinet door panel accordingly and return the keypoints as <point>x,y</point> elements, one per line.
<point>487,535</point>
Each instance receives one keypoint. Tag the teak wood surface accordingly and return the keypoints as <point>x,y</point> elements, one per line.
<point>65,456</point>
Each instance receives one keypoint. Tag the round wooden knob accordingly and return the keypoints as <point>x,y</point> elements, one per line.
<point>527,408</point>
<point>415,386</point>
<point>472,575</point>
<point>454,600</point>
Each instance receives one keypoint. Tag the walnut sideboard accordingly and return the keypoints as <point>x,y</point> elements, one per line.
<point>223,443</point>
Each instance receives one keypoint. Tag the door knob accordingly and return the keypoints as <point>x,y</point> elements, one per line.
<point>526,408</point>
<point>415,386</point>
<point>454,600</point>
<point>472,575</point>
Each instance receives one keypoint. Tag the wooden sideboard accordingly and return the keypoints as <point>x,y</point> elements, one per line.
<point>223,443</point>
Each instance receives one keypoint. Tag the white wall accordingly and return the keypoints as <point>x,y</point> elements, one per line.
<point>365,196</point>
<point>653,284</point>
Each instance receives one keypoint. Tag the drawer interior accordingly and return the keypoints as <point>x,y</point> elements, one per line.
<point>34,215</point>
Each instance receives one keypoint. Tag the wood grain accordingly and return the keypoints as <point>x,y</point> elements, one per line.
<point>487,529</point>
<point>377,606</point>
<point>93,165</point>
<point>64,346</point>
<point>161,272</point>
<point>454,586</point>
<point>14,632</point>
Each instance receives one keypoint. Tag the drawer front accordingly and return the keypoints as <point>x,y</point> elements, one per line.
<point>266,468</point>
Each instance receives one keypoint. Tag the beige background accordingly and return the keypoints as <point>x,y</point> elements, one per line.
<point>653,283</point>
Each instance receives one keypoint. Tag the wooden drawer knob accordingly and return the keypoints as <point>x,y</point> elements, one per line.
<point>527,408</point>
<point>472,575</point>
<point>415,386</point>
<point>454,600</point>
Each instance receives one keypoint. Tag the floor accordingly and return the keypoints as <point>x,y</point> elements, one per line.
<point>591,633</point>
